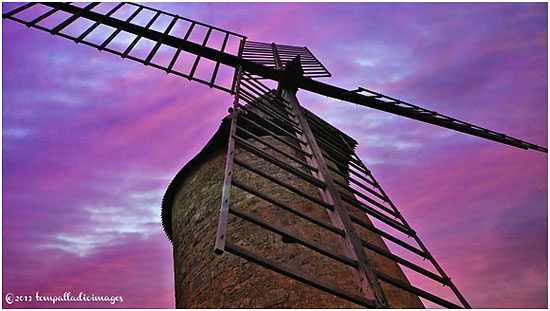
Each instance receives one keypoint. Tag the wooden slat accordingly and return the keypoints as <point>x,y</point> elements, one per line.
<point>159,43</point>
<point>370,200</point>
<point>376,214</point>
<point>404,262</point>
<point>178,51</point>
<point>285,185</point>
<point>293,236</point>
<point>388,236</point>
<point>274,148</point>
<point>97,23</point>
<point>297,275</point>
<point>41,17</point>
<point>270,122</point>
<point>138,37</point>
<point>217,67</point>
<point>119,29</point>
<point>19,9</point>
<point>257,102</point>
<point>416,291</point>
<point>289,168</point>
<point>73,18</point>
<point>197,59</point>
<point>257,126</point>
<point>287,207</point>
<point>226,191</point>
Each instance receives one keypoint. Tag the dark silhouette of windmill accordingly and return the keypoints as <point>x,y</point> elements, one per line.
<point>272,126</point>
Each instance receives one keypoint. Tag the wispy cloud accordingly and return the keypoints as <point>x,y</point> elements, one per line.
<point>90,142</point>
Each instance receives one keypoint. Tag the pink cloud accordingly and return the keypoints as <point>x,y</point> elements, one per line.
<point>90,143</point>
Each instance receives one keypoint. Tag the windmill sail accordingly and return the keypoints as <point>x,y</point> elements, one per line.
<point>349,189</point>
<point>392,105</point>
<point>115,28</point>
<point>251,63</point>
<point>326,158</point>
<point>264,54</point>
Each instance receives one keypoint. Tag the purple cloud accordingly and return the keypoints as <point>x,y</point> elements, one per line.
<point>90,143</point>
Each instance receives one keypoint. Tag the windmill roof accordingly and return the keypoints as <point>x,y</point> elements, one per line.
<point>218,140</point>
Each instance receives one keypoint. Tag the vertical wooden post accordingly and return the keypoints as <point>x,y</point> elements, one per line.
<point>370,287</point>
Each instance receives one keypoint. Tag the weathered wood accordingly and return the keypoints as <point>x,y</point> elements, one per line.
<point>219,245</point>
<point>297,275</point>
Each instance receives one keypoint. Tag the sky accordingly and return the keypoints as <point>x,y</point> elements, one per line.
<point>90,143</point>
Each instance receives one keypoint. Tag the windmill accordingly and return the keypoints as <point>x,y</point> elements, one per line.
<point>274,61</point>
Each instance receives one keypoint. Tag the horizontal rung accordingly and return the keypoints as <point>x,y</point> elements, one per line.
<point>285,185</point>
<point>258,99</point>
<point>376,214</point>
<point>97,23</point>
<point>312,66</point>
<point>366,198</point>
<point>335,148</point>
<point>404,262</point>
<point>357,182</point>
<point>317,126</point>
<point>254,100</point>
<point>287,207</point>
<point>337,171</point>
<point>257,43</point>
<point>259,56</point>
<point>263,91</point>
<point>189,20</point>
<point>276,149</point>
<point>287,234</point>
<point>330,146</point>
<point>346,159</point>
<point>256,49</point>
<point>356,174</point>
<point>270,64</point>
<point>333,160</point>
<point>262,128</point>
<point>348,166</point>
<point>41,17</point>
<point>328,75</point>
<point>297,275</point>
<point>416,291</point>
<point>19,9</point>
<point>271,159</point>
<point>388,236</point>
<point>362,187</point>
<point>258,103</point>
<point>288,133</point>
<point>73,18</point>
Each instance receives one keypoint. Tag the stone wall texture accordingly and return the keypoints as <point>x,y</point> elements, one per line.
<point>204,279</point>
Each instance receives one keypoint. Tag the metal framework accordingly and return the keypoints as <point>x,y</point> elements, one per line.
<point>203,51</point>
<point>267,54</point>
<point>280,111</point>
<point>326,158</point>
<point>108,30</point>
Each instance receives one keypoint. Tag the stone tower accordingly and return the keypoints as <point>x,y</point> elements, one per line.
<point>204,279</point>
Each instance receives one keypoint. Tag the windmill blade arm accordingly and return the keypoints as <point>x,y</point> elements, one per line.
<point>219,56</point>
<point>166,39</point>
<point>374,100</point>
<point>385,103</point>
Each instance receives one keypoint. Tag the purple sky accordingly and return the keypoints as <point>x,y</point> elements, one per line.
<point>90,142</point>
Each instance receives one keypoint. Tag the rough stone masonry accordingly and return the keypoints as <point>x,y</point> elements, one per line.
<point>204,279</point>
